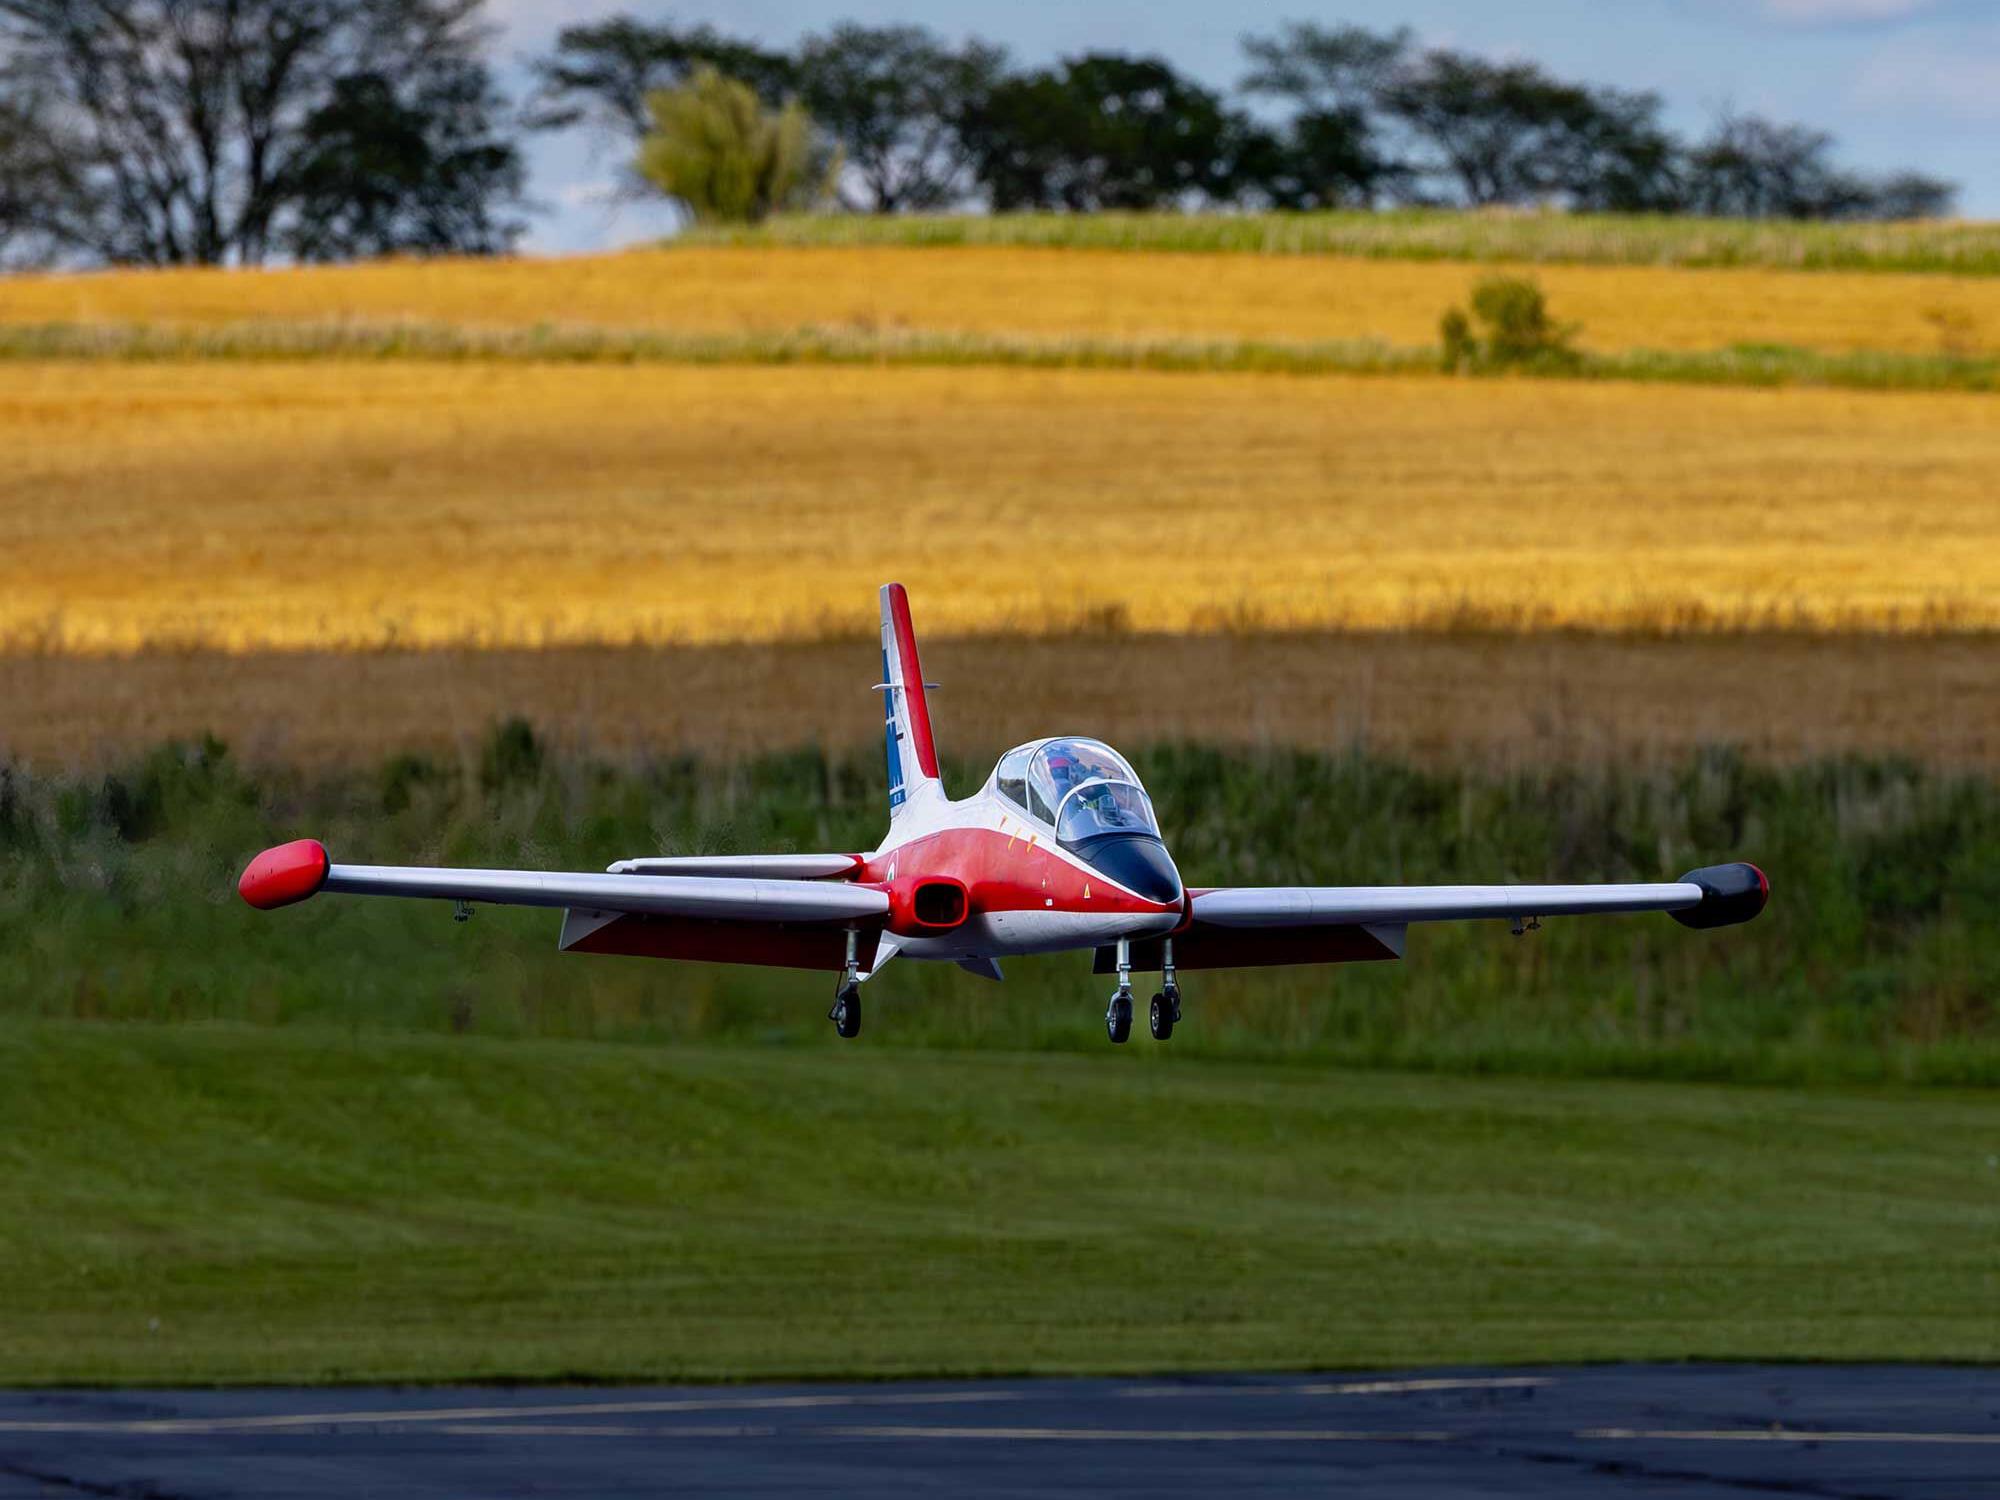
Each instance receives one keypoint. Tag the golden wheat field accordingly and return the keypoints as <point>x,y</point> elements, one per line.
<point>1451,699</point>
<point>266,505</point>
<point>1044,293</point>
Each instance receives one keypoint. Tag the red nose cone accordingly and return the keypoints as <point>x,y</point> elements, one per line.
<point>278,877</point>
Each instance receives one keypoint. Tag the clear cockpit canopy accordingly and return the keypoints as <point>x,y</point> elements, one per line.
<point>1083,787</point>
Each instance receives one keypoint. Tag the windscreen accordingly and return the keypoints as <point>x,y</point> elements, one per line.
<point>1100,807</point>
<point>1060,766</point>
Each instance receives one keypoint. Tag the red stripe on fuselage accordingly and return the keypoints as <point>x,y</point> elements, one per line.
<point>1002,872</point>
<point>913,681</point>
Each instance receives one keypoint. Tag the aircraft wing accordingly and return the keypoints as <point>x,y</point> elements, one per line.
<point>1716,896</point>
<point>1253,926</point>
<point>790,923</point>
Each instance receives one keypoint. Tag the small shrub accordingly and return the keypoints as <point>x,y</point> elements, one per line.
<point>510,756</point>
<point>1461,348</point>
<point>15,818</point>
<point>404,776</point>
<point>1514,329</point>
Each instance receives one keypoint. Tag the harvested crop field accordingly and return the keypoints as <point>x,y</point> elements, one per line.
<point>251,506</point>
<point>1047,294</point>
<point>1452,700</point>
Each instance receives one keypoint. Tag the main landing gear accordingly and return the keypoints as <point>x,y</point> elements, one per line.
<point>846,1012</point>
<point>1166,1007</point>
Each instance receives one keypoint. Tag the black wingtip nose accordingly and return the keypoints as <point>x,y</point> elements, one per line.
<point>1729,894</point>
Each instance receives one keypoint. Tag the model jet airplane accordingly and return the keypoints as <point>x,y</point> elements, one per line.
<point>1059,850</point>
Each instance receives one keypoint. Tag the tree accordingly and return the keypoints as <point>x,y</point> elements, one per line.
<point>1106,131</point>
<point>602,73</point>
<point>378,174</point>
<point>1511,133</point>
<point>1333,151</point>
<point>1612,155</point>
<point>171,131</point>
<point>1753,168</point>
<point>725,156</point>
<point>896,99</point>
<point>1913,195</point>
<point>35,176</point>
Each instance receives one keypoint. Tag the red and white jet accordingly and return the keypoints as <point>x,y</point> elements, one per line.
<point>1059,850</point>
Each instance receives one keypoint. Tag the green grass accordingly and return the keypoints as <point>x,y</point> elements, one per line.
<point>1747,365</point>
<point>1874,962</point>
<point>1961,248</point>
<point>203,1204</point>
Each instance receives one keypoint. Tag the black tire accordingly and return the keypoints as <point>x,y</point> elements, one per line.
<point>1118,1020</point>
<point>1161,1018</point>
<point>847,1013</point>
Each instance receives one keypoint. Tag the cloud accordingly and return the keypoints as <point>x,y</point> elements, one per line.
<point>1960,85</point>
<point>1837,12</point>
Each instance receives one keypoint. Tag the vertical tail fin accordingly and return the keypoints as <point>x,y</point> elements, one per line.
<point>913,766</point>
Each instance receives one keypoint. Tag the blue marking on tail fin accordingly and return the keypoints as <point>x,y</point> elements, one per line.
<point>890,736</point>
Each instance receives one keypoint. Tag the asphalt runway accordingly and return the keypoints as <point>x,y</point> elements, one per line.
<point>1611,1430</point>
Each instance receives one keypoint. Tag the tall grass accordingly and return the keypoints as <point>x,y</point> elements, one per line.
<point>1958,247</point>
<point>1755,365</point>
<point>1873,962</point>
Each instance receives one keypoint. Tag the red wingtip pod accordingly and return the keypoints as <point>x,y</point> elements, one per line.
<point>1729,894</point>
<point>278,877</point>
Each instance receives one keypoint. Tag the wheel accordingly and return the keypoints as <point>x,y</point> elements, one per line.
<point>1162,1018</point>
<point>1118,1019</point>
<point>1173,996</point>
<point>847,1011</point>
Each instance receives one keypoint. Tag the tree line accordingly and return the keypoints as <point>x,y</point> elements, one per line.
<point>235,131</point>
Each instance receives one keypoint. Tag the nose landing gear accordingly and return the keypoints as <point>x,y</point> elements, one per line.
<point>1118,1016</point>
<point>1166,1006</point>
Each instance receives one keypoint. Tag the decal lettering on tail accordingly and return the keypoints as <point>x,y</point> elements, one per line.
<point>906,715</point>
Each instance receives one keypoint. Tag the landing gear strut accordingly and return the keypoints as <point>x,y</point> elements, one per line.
<point>846,1012</point>
<point>1118,1015</point>
<point>1166,1008</point>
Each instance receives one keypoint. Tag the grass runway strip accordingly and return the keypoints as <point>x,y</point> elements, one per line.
<point>228,1204</point>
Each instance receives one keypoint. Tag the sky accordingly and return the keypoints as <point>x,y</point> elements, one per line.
<point>1901,83</point>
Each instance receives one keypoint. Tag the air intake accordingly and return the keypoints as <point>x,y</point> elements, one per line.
<point>938,904</point>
